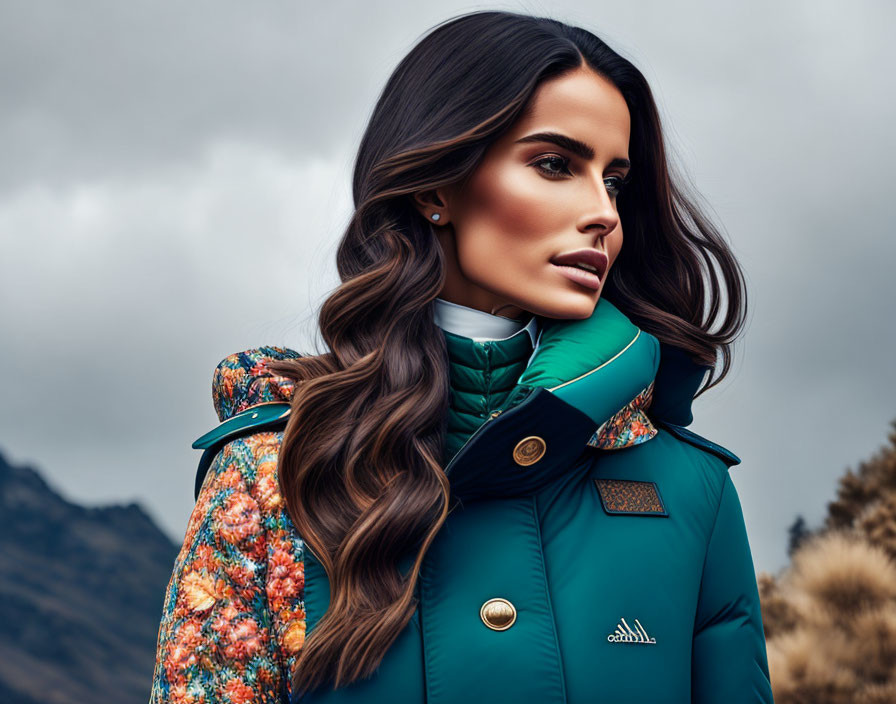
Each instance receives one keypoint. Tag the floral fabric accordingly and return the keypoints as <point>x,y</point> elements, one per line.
<point>628,426</point>
<point>243,380</point>
<point>233,621</point>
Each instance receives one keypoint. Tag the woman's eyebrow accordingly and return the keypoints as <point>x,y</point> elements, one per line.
<point>576,146</point>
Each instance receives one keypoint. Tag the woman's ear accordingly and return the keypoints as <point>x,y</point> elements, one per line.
<point>431,204</point>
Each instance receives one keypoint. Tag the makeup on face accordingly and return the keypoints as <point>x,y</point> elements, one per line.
<point>536,225</point>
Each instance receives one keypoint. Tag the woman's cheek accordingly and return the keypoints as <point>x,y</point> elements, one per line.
<point>615,246</point>
<point>495,263</point>
<point>511,202</point>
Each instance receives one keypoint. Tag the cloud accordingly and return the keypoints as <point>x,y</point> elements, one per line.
<point>124,296</point>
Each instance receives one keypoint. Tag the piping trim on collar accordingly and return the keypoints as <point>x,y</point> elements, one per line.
<point>601,366</point>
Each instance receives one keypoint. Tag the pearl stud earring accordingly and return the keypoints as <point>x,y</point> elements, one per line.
<point>436,216</point>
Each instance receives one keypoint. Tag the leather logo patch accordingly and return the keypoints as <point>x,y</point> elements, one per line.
<point>630,497</point>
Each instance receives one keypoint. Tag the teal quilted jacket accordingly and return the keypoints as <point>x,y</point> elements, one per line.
<point>596,551</point>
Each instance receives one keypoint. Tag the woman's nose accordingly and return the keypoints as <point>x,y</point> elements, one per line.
<point>600,212</point>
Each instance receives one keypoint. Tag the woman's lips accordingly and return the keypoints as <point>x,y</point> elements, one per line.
<point>580,276</point>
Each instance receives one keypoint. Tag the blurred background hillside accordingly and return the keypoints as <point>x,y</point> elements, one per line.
<point>80,595</point>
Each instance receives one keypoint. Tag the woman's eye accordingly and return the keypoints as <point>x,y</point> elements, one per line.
<point>559,168</point>
<point>616,184</point>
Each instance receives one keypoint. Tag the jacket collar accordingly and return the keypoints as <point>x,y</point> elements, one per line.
<point>586,377</point>
<point>482,373</point>
<point>677,380</point>
<point>624,373</point>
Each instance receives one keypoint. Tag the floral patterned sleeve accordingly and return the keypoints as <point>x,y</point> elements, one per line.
<point>233,620</point>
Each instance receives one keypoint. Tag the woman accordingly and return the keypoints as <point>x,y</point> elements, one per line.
<point>484,491</point>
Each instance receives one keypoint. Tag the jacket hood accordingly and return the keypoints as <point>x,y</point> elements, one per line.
<point>242,380</point>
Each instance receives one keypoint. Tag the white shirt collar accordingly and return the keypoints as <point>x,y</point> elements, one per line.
<point>479,325</point>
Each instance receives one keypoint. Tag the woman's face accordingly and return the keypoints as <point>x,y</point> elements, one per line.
<point>532,200</point>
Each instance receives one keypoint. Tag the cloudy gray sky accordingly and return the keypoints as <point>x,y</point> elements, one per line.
<point>175,176</point>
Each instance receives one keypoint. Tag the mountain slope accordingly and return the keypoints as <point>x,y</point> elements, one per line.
<point>81,594</point>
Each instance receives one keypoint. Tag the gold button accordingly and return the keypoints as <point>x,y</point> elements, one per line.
<point>529,450</point>
<point>498,614</point>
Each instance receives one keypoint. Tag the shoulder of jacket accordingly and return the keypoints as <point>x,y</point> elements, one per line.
<point>266,416</point>
<point>689,436</point>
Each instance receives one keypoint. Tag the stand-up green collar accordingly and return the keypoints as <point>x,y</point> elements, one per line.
<point>482,373</point>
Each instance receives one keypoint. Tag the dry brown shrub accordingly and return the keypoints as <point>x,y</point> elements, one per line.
<point>803,673</point>
<point>830,616</point>
<point>842,574</point>
<point>878,521</point>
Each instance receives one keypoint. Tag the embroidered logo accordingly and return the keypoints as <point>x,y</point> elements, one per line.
<point>625,634</point>
<point>628,496</point>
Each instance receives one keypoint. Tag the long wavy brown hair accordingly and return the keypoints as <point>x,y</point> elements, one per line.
<point>360,466</point>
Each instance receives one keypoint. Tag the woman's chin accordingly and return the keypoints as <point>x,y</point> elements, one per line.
<point>570,305</point>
